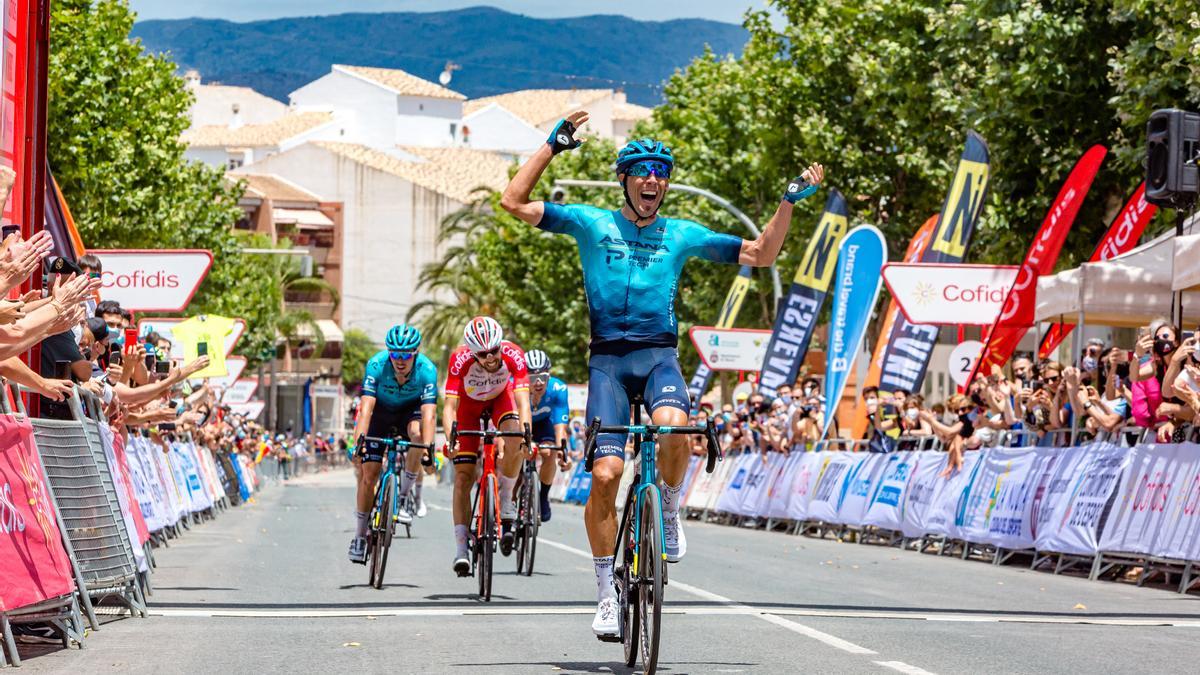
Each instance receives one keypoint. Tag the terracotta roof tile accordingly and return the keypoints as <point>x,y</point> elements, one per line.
<point>453,172</point>
<point>255,135</point>
<point>539,106</point>
<point>630,112</point>
<point>274,187</point>
<point>402,82</point>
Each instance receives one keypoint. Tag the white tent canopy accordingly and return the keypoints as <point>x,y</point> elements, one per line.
<point>1187,263</point>
<point>1130,290</point>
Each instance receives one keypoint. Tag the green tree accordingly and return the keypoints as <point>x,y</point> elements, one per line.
<point>115,116</point>
<point>357,349</point>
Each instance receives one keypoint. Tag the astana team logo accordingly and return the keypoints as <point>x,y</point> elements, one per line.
<point>564,139</point>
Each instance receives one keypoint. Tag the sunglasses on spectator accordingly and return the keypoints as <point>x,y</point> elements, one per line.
<point>488,354</point>
<point>401,356</point>
<point>1051,378</point>
<point>966,409</point>
<point>659,169</point>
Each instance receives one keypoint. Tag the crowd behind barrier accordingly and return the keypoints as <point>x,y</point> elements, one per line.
<point>83,504</point>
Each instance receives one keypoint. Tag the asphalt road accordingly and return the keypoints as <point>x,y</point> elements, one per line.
<point>267,588</point>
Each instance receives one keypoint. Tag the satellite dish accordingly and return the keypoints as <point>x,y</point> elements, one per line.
<point>444,78</point>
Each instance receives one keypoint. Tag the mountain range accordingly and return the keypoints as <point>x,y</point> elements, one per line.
<point>497,51</point>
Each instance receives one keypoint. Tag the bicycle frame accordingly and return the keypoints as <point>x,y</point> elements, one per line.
<point>647,476</point>
<point>488,452</point>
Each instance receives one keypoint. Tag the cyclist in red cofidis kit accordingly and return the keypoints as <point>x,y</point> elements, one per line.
<point>486,374</point>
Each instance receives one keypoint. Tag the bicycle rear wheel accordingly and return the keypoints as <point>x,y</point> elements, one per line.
<point>651,562</point>
<point>383,533</point>
<point>487,538</point>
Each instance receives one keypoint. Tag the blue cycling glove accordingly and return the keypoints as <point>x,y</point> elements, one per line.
<point>798,189</point>
<point>563,137</point>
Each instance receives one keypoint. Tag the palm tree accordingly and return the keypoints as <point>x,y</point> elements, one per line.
<point>456,287</point>
<point>289,326</point>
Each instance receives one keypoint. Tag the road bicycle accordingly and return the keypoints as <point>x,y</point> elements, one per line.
<point>529,512</point>
<point>640,561</point>
<point>386,511</point>
<point>484,532</point>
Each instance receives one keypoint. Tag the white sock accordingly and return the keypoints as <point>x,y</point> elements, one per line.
<point>670,497</point>
<point>407,478</point>
<point>604,578</point>
<point>506,489</point>
<point>360,524</point>
<point>460,539</point>
<point>417,488</point>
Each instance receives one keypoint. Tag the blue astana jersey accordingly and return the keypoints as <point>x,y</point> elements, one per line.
<point>379,381</point>
<point>631,273</point>
<point>553,405</point>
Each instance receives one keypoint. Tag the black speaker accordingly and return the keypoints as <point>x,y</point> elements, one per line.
<point>1172,148</point>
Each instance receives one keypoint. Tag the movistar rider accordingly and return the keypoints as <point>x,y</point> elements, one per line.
<point>631,262</point>
<point>399,397</point>
<point>548,399</point>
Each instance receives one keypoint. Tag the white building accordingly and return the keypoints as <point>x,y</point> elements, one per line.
<point>385,107</point>
<point>394,203</point>
<point>221,105</point>
<point>518,122</point>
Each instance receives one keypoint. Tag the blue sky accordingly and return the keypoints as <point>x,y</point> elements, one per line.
<point>240,10</point>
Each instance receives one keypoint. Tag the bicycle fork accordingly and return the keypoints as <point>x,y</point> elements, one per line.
<point>647,477</point>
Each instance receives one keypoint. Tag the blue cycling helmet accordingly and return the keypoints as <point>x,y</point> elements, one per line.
<point>403,338</point>
<point>642,150</point>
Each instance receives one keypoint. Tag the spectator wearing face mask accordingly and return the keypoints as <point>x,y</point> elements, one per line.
<point>1153,354</point>
<point>806,424</point>
<point>883,418</point>
<point>958,436</point>
<point>1186,384</point>
<point>811,387</point>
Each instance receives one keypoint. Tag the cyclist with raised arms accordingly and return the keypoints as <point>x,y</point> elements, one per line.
<point>550,416</point>
<point>399,396</point>
<point>486,373</point>
<point>631,261</point>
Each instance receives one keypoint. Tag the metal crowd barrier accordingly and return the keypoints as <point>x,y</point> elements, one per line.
<point>90,518</point>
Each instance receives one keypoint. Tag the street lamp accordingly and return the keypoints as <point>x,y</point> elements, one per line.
<point>701,192</point>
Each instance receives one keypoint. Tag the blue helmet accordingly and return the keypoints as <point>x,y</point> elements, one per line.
<point>642,150</point>
<point>403,338</point>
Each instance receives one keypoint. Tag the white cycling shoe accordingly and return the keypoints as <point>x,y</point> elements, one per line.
<point>674,542</point>
<point>422,510</point>
<point>605,624</point>
<point>358,550</point>
<point>403,516</point>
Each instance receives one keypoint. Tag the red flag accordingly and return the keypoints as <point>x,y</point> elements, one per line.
<point>1017,315</point>
<point>1122,235</point>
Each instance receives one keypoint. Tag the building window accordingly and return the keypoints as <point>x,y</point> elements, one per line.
<point>234,163</point>
<point>453,130</point>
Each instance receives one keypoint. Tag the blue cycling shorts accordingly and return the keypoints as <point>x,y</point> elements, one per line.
<point>543,431</point>
<point>652,372</point>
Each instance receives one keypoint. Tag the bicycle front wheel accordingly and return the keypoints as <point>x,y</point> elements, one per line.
<point>533,521</point>
<point>383,533</point>
<point>651,567</point>
<point>487,538</point>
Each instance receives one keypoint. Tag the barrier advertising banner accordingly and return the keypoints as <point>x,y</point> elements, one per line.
<point>886,509</point>
<point>908,346</point>
<point>698,385</point>
<point>830,484</point>
<point>796,317</point>
<point>863,254</point>
<point>1149,502</point>
<point>949,294</point>
<point>1122,235</point>
<point>859,486</point>
<point>34,563</point>
<point>150,280</point>
<point>1085,483</point>
<point>1017,316</point>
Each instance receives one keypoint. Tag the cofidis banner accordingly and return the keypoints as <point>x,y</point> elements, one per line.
<point>797,315</point>
<point>729,311</point>
<point>906,356</point>
<point>1017,315</point>
<point>862,255</point>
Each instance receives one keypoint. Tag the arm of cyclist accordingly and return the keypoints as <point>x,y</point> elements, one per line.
<point>449,415</point>
<point>762,251</point>
<point>515,199</point>
<point>366,407</point>
<point>561,434</point>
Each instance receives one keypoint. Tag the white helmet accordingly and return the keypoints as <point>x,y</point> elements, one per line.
<point>482,334</point>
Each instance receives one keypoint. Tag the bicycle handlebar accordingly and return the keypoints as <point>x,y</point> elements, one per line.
<point>708,431</point>
<point>397,442</point>
<point>526,435</point>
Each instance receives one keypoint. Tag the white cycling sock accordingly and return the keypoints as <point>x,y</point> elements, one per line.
<point>506,489</point>
<point>670,497</point>
<point>360,524</point>
<point>604,578</point>
<point>417,487</point>
<point>460,539</point>
<point>407,478</point>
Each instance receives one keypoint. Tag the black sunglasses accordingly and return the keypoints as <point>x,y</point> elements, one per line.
<point>491,352</point>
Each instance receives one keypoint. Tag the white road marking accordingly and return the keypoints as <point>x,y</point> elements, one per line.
<point>314,613</point>
<point>903,667</point>
<point>739,608</point>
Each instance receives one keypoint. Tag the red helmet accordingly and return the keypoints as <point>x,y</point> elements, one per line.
<point>482,334</point>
